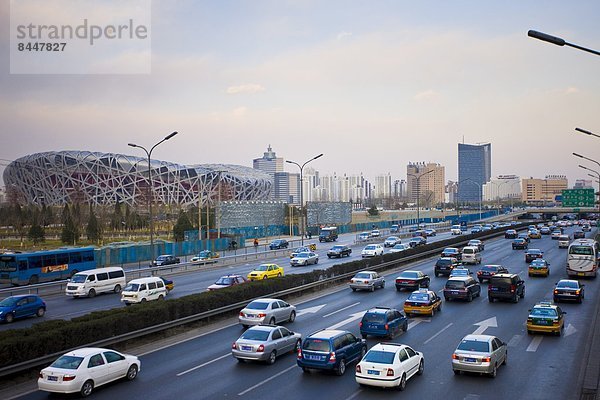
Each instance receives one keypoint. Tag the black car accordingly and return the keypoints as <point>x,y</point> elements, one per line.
<point>506,287</point>
<point>524,236</point>
<point>417,241</point>
<point>520,243</point>
<point>567,289</point>
<point>579,235</point>
<point>279,244</point>
<point>532,254</point>
<point>445,265</point>
<point>461,287</point>
<point>487,271</point>
<point>510,234</point>
<point>165,259</point>
<point>452,252</point>
<point>339,251</point>
<point>412,280</point>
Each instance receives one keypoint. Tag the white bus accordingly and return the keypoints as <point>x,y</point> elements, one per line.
<point>582,258</point>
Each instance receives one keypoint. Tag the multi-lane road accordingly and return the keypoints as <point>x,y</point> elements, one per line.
<point>539,366</point>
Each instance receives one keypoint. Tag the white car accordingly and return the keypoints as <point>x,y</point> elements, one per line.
<point>391,241</point>
<point>389,365</point>
<point>399,247</point>
<point>455,230</point>
<point>375,233</point>
<point>82,370</point>
<point>364,236</point>
<point>372,250</point>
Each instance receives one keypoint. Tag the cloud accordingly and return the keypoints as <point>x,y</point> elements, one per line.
<point>343,34</point>
<point>427,95</point>
<point>240,111</point>
<point>571,90</point>
<point>246,88</point>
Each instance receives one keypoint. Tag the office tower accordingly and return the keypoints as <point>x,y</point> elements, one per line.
<point>474,169</point>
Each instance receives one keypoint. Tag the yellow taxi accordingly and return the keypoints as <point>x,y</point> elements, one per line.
<point>546,317</point>
<point>422,302</point>
<point>265,271</point>
<point>539,267</point>
<point>535,234</point>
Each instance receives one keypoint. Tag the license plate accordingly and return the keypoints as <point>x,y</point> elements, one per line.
<point>246,348</point>
<point>454,291</point>
<point>494,289</point>
<point>311,357</point>
<point>53,378</point>
<point>580,274</point>
<point>468,359</point>
<point>542,322</point>
<point>372,372</point>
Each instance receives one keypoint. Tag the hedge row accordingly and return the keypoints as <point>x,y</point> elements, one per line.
<point>18,345</point>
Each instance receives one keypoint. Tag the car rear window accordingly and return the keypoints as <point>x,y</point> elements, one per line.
<point>572,285</point>
<point>316,345</point>
<point>500,281</point>
<point>374,317</point>
<point>255,335</point>
<point>409,275</point>
<point>258,305</point>
<point>381,357</point>
<point>67,362</point>
<point>474,345</point>
<point>450,284</point>
<point>468,251</point>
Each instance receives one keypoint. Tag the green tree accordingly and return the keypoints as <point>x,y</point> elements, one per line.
<point>36,232</point>
<point>70,232</point>
<point>373,211</point>
<point>93,230</point>
<point>183,224</point>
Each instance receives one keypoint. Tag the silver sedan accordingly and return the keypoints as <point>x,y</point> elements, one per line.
<point>479,353</point>
<point>265,343</point>
<point>267,311</point>
<point>305,258</point>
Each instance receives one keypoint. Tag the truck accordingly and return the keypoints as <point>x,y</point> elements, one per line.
<point>329,234</point>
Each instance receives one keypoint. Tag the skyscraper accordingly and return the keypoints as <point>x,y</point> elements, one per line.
<point>474,169</point>
<point>270,164</point>
<point>426,181</point>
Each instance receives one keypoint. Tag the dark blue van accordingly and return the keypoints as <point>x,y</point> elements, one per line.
<point>331,350</point>
<point>383,321</point>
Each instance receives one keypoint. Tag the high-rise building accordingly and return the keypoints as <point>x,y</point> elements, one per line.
<point>543,191</point>
<point>474,169</point>
<point>383,186</point>
<point>583,184</point>
<point>503,187</point>
<point>287,187</point>
<point>426,181</point>
<point>452,191</point>
<point>399,189</point>
<point>270,164</point>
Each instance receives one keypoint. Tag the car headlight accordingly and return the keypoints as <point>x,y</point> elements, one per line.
<point>1,312</point>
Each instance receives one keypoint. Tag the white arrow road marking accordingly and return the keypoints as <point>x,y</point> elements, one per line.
<point>310,310</point>
<point>440,331</point>
<point>341,309</point>
<point>570,329</point>
<point>417,321</point>
<point>483,325</point>
<point>352,318</point>
<point>535,343</point>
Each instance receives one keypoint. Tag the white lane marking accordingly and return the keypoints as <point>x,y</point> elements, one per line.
<point>341,309</point>
<point>359,391</point>
<point>569,330</point>
<point>535,343</point>
<point>440,331</point>
<point>266,380</point>
<point>514,341</point>
<point>416,322</point>
<point>310,310</point>
<point>352,318</point>
<point>204,364</point>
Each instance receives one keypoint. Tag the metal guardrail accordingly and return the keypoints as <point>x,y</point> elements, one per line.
<point>37,362</point>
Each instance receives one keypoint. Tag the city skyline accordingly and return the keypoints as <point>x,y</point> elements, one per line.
<point>372,87</point>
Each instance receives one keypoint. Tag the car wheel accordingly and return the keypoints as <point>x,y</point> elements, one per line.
<point>529,332</point>
<point>402,384</point>
<point>297,346</point>
<point>92,293</point>
<point>456,372</point>
<point>117,289</point>
<point>516,298</point>
<point>421,368</point>
<point>579,300</point>
<point>432,312</point>
<point>329,257</point>
<point>555,299</point>
<point>272,321</point>
<point>265,277</point>
<point>383,284</point>
<point>490,299</point>
<point>316,261</point>
<point>40,312</point>
<point>9,318</point>
<point>505,361</point>
<point>523,294</point>
<point>279,274</point>
<point>86,388</point>
<point>364,336</point>
<point>494,371</point>
<point>305,370</point>
<point>161,297</point>
<point>373,288</point>
<point>245,326</point>
<point>272,358</point>
<point>292,316</point>
<point>132,372</point>
<point>143,300</point>
<point>341,368</point>
<point>354,289</point>
<point>437,275</point>
<point>405,327</point>
<point>470,297</point>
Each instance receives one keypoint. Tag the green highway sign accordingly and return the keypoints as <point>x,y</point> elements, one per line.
<point>578,198</point>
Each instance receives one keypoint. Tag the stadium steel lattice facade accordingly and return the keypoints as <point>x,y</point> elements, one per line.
<point>56,178</point>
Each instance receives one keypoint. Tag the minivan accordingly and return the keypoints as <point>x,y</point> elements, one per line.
<point>93,281</point>
<point>143,290</point>
<point>330,349</point>
<point>563,241</point>
<point>465,288</point>
<point>471,255</point>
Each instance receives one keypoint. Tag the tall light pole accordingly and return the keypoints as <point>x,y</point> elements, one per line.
<point>302,229</point>
<point>149,153</point>
<point>418,178</point>
<point>586,132</point>
<point>558,41</point>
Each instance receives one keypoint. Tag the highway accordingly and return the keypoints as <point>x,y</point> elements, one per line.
<point>539,366</point>
<point>64,307</point>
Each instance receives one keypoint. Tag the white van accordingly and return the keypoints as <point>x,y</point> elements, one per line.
<point>143,290</point>
<point>563,241</point>
<point>93,281</point>
<point>471,255</point>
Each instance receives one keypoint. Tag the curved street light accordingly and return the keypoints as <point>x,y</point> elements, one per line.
<point>558,41</point>
<point>149,153</point>
<point>302,221</point>
<point>586,132</point>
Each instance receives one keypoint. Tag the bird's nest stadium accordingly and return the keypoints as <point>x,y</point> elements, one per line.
<point>60,177</point>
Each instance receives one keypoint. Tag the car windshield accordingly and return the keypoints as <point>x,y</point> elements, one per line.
<point>258,305</point>
<point>224,281</point>
<point>419,297</point>
<point>337,248</point>
<point>261,268</point>
<point>399,246</point>
<point>374,317</point>
<point>543,312</point>
<point>460,272</point>
<point>303,255</point>
<point>8,302</point>
<point>392,238</point>
<point>443,262</point>
<point>489,269</point>
<point>474,242</point>
<point>534,251</point>
<point>78,278</point>
<point>371,247</point>
<point>468,251</point>
<point>581,250</point>
<point>255,334</point>
<point>409,274</point>
<point>380,357</point>
<point>132,287</point>
<point>450,251</point>
<point>538,263</point>
<point>474,345</point>
<point>450,284</point>
<point>363,275</point>
<point>316,345</point>
<point>203,254</point>
<point>161,258</point>
<point>564,284</point>
<point>301,250</point>
<point>67,362</point>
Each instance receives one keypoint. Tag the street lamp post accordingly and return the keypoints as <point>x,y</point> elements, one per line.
<point>302,229</point>
<point>558,41</point>
<point>149,154</point>
<point>418,178</point>
<point>586,132</point>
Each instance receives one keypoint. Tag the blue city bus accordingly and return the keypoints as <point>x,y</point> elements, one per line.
<point>43,266</point>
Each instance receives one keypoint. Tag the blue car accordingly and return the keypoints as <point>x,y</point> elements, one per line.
<point>330,349</point>
<point>21,306</point>
<point>383,322</point>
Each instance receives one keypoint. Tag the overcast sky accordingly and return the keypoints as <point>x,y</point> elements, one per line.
<point>371,84</point>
